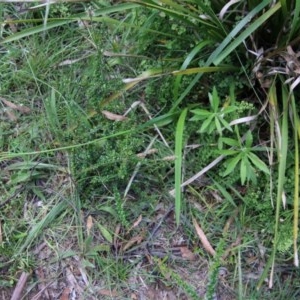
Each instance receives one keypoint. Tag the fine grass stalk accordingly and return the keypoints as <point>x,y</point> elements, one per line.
<point>282,149</point>
<point>296,122</point>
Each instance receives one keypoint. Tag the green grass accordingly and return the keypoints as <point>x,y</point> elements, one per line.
<point>85,194</point>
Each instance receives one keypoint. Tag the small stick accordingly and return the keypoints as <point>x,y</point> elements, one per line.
<point>17,294</point>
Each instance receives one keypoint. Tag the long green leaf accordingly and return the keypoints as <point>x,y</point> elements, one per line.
<point>178,163</point>
<point>296,20</point>
<point>240,26</point>
<point>186,63</point>
<point>132,82</point>
<point>296,122</point>
<point>282,148</point>
<point>257,162</point>
<point>246,33</point>
<point>37,229</point>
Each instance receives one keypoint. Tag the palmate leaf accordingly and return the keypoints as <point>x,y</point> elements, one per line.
<point>249,139</point>
<point>214,100</point>
<point>228,152</point>
<point>225,124</point>
<point>257,162</point>
<point>218,126</point>
<point>232,163</point>
<point>244,169</point>
<point>200,114</point>
<point>228,109</point>
<point>230,142</point>
<point>207,125</point>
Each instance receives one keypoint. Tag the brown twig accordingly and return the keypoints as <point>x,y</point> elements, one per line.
<point>17,294</point>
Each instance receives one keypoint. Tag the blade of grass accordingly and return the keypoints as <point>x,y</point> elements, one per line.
<point>282,149</point>
<point>295,22</point>
<point>240,275</point>
<point>60,22</point>
<point>231,35</point>
<point>246,33</point>
<point>132,82</point>
<point>284,8</point>
<point>38,228</point>
<point>296,183</point>
<point>186,63</point>
<point>158,121</point>
<point>178,163</point>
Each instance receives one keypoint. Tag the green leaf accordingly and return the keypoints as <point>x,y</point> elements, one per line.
<point>19,177</point>
<point>248,31</point>
<point>225,124</point>
<point>228,152</point>
<point>224,192</point>
<point>231,35</point>
<point>37,229</point>
<point>244,167</point>
<point>206,124</point>
<point>186,63</point>
<point>228,109</point>
<point>178,163</point>
<point>106,234</point>
<point>257,162</point>
<point>203,113</point>
<point>218,126</point>
<point>232,163</point>
<point>215,101</point>
<point>108,209</point>
<point>249,139</point>
<point>230,142</point>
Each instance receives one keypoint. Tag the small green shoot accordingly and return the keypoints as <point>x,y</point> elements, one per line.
<point>244,157</point>
<point>213,119</point>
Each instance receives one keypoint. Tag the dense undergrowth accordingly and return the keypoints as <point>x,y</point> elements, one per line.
<point>108,112</point>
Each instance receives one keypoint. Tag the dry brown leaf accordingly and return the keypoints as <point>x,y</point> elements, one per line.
<point>11,116</point>
<point>89,224</point>
<point>20,108</point>
<point>68,62</point>
<point>133,296</point>
<point>187,254</point>
<point>65,294</point>
<point>72,281</point>
<point>39,272</point>
<point>116,235</point>
<point>135,240</point>
<point>109,293</point>
<point>138,221</point>
<point>135,224</point>
<point>232,246</point>
<point>169,158</point>
<point>112,116</point>
<point>144,154</point>
<point>230,220</point>
<point>206,244</point>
